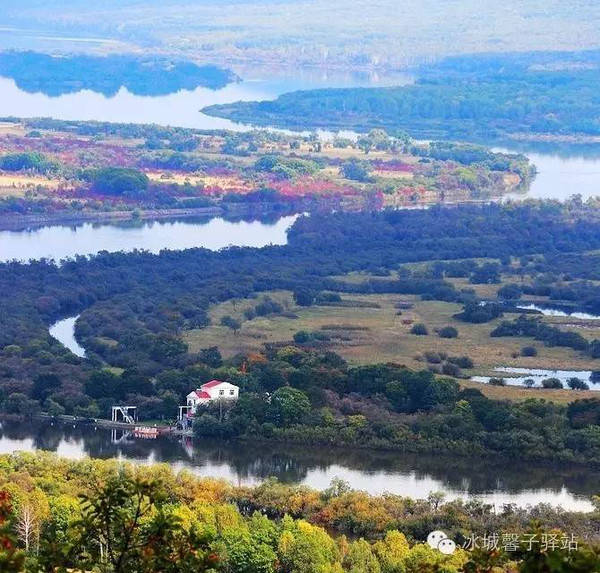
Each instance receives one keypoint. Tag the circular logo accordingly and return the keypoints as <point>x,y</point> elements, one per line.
<point>440,541</point>
<point>447,546</point>
<point>434,538</point>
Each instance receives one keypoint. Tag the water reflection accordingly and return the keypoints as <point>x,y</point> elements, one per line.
<point>61,241</point>
<point>178,109</point>
<point>374,471</point>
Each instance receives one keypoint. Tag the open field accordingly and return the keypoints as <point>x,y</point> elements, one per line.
<point>225,182</point>
<point>369,335</point>
<point>224,167</point>
<point>16,184</point>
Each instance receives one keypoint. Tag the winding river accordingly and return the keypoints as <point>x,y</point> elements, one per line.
<point>492,481</point>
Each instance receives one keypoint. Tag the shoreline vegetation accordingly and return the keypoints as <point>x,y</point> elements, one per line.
<point>490,97</point>
<point>54,76</point>
<point>210,525</point>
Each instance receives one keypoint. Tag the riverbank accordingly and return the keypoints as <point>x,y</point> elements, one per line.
<point>22,222</point>
<point>491,480</point>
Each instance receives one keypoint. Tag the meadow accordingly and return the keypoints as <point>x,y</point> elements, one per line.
<point>367,329</point>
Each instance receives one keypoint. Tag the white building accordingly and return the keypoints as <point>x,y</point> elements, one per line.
<point>212,391</point>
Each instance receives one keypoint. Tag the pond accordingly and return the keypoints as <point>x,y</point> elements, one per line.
<point>517,376</point>
<point>61,241</point>
<point>555,311</point>
<point>411,475</point>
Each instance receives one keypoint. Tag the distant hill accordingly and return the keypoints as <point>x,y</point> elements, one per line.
<point>360,33</point>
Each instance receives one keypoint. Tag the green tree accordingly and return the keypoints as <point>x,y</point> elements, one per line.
<point>305,548</point>
<point>120,181</point>
<point>288,405</point>
<point>360,558</point>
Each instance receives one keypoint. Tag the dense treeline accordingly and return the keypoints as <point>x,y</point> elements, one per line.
<point>59,515</point>
<point>135,306</point>
<point>549,335</point>
<point>297,394</point>
<point>463,98</point>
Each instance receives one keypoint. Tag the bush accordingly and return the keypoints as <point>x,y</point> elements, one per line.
<point>450,369</point>
<point>304,297</point>
<point>29,161</point>
<point>497,382</point>
<point>120,181</point>
<point>356,170</point>
<point>419,329</point>
<point>529,382</point>
<point>231,322</point>
<point>529,351</point>
<point>461,361</point>
<point>302,337</point>
<point>577,384</point>
<point>267,306</point>
<point>510,292</point>
<point>432,357</point>
<point>479,313</point>
<point>448,332</point>
<point>552,384</point>
<point>326,297</point>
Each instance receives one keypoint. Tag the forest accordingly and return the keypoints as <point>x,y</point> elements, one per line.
<point>135,309</point>
<point>61,515</point>
<point>470,98</point>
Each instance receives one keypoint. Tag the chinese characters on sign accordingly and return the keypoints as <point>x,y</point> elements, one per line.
<point>511,542</point>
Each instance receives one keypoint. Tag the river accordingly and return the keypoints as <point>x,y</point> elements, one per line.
<point>61,241</point>
<point>416,476</point>
<point>559,176</point>
<point>180,108</point>
<point>64,331</point>
<point>518,376</point>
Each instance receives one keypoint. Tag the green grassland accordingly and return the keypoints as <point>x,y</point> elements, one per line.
<point>376,333</point>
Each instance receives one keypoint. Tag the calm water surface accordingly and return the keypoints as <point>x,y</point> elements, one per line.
<point>517,376</point>
<point>64,331</point>
<point>415,476</point>
<point>60,241</point>
<point>553,311</point>
<point>376,472</point>
<point>181,108</point>
<point>559,176</point>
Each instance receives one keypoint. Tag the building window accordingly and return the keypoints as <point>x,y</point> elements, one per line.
<point>221,392</point>
<point>231,392</point>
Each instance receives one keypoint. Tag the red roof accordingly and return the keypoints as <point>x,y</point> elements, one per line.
<point>212,384</point>
<point>202,394</point>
